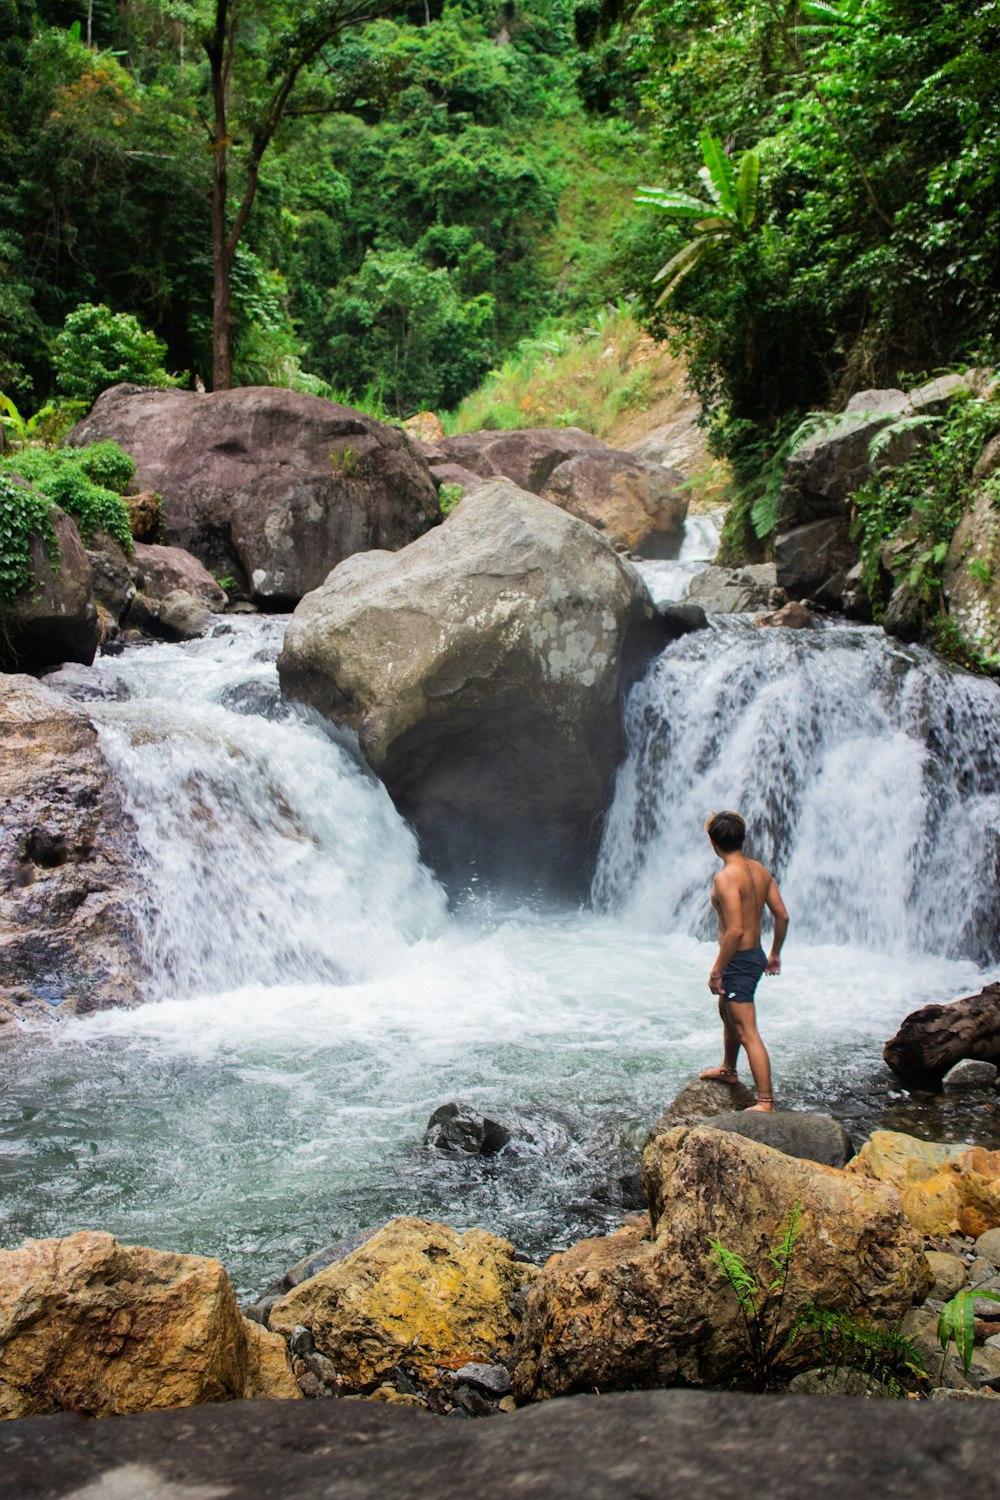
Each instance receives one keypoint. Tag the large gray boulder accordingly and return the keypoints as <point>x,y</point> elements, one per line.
<point>163,569</point>
<point>802,1133</point>
<point>55,618</point>
<point>724,591</point>
<point>636,502</point>
<point>639,506</point>
<point>69,893</point>
<point>481,668</point>
<point>528,457</point>
<point>269,485</point>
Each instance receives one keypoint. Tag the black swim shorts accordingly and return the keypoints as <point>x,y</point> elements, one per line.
<point>741,975</point>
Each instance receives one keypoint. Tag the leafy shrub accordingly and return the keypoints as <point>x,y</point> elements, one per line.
<point>448,497</point>
<point>63,478</point>
<point>24,512</point>
<point>97,348</point>
<point>107,465</point>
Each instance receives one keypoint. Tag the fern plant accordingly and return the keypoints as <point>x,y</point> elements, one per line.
<point>860,1345</point>
<point>761,1305</point>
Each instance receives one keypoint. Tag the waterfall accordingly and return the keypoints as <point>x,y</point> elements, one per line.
<point>868,773</point>
<point>271,856</point>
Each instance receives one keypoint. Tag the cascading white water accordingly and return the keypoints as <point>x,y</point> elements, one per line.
<point>315,999</point>
<point>270,826</point>
<point>868,773</point>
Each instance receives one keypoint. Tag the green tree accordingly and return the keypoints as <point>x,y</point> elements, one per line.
<point>98,348</point>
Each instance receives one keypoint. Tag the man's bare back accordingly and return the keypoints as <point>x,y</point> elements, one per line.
<point>747,881</point>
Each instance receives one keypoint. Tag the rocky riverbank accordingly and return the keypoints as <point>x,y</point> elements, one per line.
<point>419,1314</point>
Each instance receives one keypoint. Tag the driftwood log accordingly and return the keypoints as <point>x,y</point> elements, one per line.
<point>934,1038</point>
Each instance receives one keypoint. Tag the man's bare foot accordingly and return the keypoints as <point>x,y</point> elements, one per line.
<point>721,1075</point>
<point>764,1105</point>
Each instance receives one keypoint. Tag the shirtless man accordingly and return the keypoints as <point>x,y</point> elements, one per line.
<point>740,892</point>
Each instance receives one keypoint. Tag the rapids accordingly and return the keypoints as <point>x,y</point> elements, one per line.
<point>313,997</point>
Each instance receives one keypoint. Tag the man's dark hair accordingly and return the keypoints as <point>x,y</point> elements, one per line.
<point>727,831</point>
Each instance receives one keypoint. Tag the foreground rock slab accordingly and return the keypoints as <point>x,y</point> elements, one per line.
<point>482,670</point>
<point>639,1445</point>
<point>646,1306</point>
<point>270,485</point>
<point>69,892</point>
<point>417,1295</point>
<point>89,1325</point>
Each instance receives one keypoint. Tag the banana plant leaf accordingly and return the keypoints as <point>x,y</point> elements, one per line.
<point>717,173</point>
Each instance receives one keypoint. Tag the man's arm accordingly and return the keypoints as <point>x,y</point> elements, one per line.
<point>730,926</point>
<point>779,912</point>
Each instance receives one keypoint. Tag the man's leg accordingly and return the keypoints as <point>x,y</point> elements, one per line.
<point>730,1051</point>
<point>741,1020</point>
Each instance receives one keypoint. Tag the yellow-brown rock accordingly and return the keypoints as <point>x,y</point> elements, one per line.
<point>145,512</point>
<point>634,1309</point>
<point>417,1294</point>
<point>89,1325</point>
<point>944,1189</point>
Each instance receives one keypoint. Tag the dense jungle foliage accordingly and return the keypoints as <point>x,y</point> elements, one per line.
<point>432,192</point>
<point>445,182</point>
<point>873,252</point>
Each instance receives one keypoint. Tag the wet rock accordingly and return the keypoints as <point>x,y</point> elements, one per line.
<point>111,573</point>
<point>182,617</point>
<point>791,616</point>
<point>681,619</point>
<point>942,1188</point>
<point>89,1325</point>
<point>970,1076</point>
<point>416,1294</point>
<point>935,1037</point>
<point>649,1308</point>
<point>481,668</point>
<point>721,591</point>
<point>95,684</point>
<point>270,485</point>
<point>459,1127</point>
<point>809,556</point>
<point>903,616</point>
<point>493,1380</point>
<point>699,1101</point>
<point>162,570</point>
<point>256,699</point>
<point>814,1137</point>
<point>640,507</point>
<point>54,619</point>
<point>69,888</point>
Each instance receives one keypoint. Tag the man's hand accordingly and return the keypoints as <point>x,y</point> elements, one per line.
<point>773,965</point>
<point>715,982</point>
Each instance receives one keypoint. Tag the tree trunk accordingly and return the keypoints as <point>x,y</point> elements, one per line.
<point>222,265</point>
<point>220,57</point>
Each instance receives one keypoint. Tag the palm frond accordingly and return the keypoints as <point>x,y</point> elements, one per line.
<point>672,201</point>
<point>717,173</point>
<point>747,185</point>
